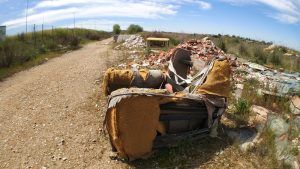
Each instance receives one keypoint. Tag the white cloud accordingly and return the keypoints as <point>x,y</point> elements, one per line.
<point>204,5</point>
<point>287,11</point>
<point>57,10</point>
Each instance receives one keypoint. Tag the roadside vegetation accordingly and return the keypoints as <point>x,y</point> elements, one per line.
<point>26,50</point>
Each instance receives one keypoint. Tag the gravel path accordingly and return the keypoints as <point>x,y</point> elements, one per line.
<point>49,117</point>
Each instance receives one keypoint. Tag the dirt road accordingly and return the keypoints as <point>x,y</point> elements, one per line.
<point>49,117</point>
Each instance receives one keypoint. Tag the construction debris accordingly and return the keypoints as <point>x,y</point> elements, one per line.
<point>203,49</point>
<point>132,42</point>
<point>272,82</point>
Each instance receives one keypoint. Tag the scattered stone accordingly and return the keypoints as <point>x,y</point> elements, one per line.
<point>295,105</point>
<point>259,117</point>
<point>61,142</point>
<point>247,146</point>
<point>295,127</point>
<point>283,147</point>
<point>277,125</point>
<point>238,91</point>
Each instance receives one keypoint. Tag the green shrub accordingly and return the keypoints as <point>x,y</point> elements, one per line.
<point>174,41</point>
<point>275,57</point>
<point>260,56</point>
<point>21,37</point>
<point>222,45</point>
<point>75,42</point>
<point>133,29</point>
<point>9,49</point>
<point>243,50</point>
<point>51,45</point>
<point>116,29</point>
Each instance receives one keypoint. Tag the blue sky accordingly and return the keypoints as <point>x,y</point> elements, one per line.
<point>270,20</point>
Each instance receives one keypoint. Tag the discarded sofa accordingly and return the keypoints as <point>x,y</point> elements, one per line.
<point>139,120</point>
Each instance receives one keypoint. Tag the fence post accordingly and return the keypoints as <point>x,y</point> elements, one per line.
<point>43,32</point>
<point>34,35</point>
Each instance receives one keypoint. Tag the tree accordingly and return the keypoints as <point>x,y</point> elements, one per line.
<point>132,29</point>
<point>116,29</point>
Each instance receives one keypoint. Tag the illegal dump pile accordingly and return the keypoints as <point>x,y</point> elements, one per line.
<point>214,79</point>
<point>150,109</point>
<point>203,50</point>
<point>130,42</point>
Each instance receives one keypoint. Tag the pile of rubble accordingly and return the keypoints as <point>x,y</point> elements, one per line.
<point>270,80</point>
<point>133,42</point>
<point>203,49</point>
<point>159,59</point>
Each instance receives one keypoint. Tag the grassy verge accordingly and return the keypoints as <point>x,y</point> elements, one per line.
<point>26,50</point>
<point>8,71</point>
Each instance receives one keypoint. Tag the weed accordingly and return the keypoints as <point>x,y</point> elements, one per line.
<point>242,107</point>
<point>266,149</point>
<point>260,56</point>
<point>241,111</point>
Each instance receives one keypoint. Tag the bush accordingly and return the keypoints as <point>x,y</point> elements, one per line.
<point>133,29</point>
<point>75,42</point>
<point>260,57</point>
<point>243,50</point>
<point>8,49</point>
<point>222,45</point>
<point>275,57</point>
<point>116,29</point>
<point>174,41</point>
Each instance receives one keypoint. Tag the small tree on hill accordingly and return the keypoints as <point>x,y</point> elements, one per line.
<point>116,29</point>
<point>132,29</point>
